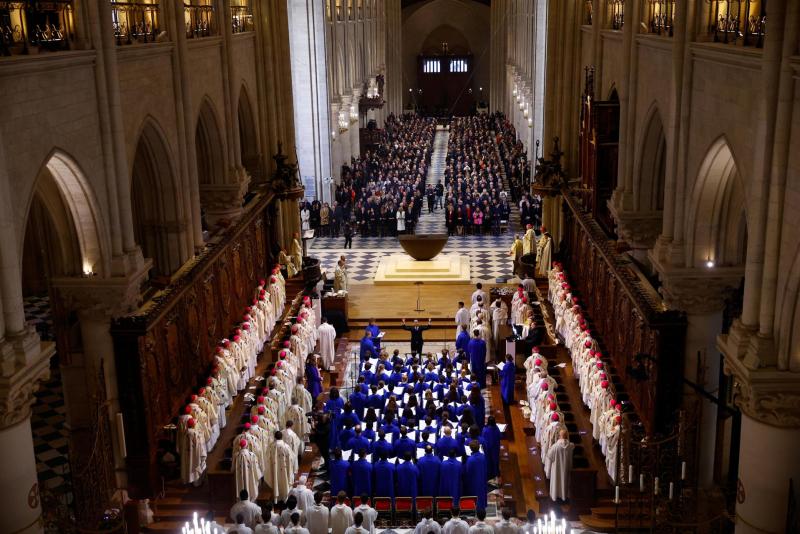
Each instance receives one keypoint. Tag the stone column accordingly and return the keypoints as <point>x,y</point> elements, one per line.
<point>701,294</point>
<point>224,201</point>
<point>768,459</point>
<point>355,144</point>
<point>19,484</point>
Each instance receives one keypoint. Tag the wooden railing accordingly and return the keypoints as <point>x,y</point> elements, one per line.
<point>644,340</point>
<point>616,14</point>
<point>587,12</point>
<point>661,17</point>
<point>165,348</point>
<point>135,21</point>
<point>738,21</point>
<point>33,26</point>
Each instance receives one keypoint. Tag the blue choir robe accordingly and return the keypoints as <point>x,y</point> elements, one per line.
<point>368,349</point>
<point>369,377</point>
<point>478,411</point>
<point>383,447</point>
<point>361,475</point>
<point>490,437</point>
<point>369,434</point>
<point>344,438</point>
<point>339,471</point>
<point>462,340</point>
<point>352,417</point>
<point>475,478</point>
<point>444,445</point>
<point>356,444</point>
<point>334,407</point>
<point>477,359</point>
<point>358,400</point>
<point>313,381</point>
<point>375,401</point>
<point>403,445</point>
<point>374,330</point>
<point>392,429</point>
<point>429,467</point>
<point>407,479</point>
<point>507,376</point>
<point>384,478</point>
<point>450,475</point>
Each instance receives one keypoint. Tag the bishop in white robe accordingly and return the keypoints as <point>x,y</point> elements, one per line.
<point>560,458</point>
<point>247,470</point>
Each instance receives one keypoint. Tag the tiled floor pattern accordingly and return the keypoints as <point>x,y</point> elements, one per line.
<point>48,418</point>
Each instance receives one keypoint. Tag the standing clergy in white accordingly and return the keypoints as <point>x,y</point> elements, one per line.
<point>341,517</point>
<point>560,457</point>
<point>247,469</point>
<point>327,346</point>
<point>462,317</point>
<point>340,277</point>
<point>193,452</point>
<point>281,467</point>
<point>317,516</point>
<point>499,318</point>
<point>529,240</point>
<point>304,496</point>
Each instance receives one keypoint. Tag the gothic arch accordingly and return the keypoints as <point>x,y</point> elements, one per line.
<point>648,187</point>
<point>716,218</point>
<point>157,211</point>
<point>248,135</point>
<point>209,146</point>
<point>63,220</point>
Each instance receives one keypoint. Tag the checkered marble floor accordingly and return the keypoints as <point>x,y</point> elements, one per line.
<point>48,417</point>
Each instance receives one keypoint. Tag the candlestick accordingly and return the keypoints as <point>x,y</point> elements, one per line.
<point>683,470</point>
<point>655,486</point>
<point>641,482</point>
<point>671,488</point>
<point>616,495</point>
<point>630,474</point>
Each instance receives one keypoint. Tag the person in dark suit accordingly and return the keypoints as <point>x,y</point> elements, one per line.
<point>416,334</point>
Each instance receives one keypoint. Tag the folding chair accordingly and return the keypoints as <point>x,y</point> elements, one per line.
<point>443,506</point>
<point>468,505</point>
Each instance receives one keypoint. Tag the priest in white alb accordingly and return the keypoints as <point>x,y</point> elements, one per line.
<point>193,453</point>
<point>247,469</point>
<point>281,468</point>
<point>560,459</point>
<point>327,347</point>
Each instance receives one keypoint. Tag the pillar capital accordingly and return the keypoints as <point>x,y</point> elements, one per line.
<point>699,291</point>
<point>18,384</point>
<point>107,297</point>
<point>767,395</point>
<point>224,201</point>
<point>639,228</point>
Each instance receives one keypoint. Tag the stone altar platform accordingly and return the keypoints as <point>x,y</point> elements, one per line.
<point>401,269</point>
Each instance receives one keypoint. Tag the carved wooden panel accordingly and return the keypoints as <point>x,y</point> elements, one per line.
<point>165,350</point>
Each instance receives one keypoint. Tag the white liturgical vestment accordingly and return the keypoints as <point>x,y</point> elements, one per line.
<point>327,347</point>
<point>560,457</point>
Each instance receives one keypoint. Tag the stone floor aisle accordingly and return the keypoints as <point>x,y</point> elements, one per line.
<point>434,223</point>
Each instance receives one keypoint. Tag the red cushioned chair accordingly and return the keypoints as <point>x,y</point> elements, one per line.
<point>403,505</point>
<point>443,506</point>
<point>468,505</point>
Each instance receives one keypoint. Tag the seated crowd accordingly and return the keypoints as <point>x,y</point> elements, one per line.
<point>382,192</point>
<point>476,198</point>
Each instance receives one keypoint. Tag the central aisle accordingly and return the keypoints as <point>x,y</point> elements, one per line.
<point>434,223</point>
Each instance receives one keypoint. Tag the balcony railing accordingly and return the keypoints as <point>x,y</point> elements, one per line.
<point>738,21</point>
<point>242,19</point>
<point>661,16</point>
<point>200,19</point>
<point>617,14</point>
<point>135,22</point>
<point>33,26</point>
<point>587,12</point>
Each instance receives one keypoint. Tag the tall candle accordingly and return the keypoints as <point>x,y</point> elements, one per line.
<point>616,495</point>
<point>671,488</point>
<point>641,482</point>
<point>630,474</point>
<point>683,470</point>
<point>655,486</point>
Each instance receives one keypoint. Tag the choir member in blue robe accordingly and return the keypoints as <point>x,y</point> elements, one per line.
<point>490,438</point>
<point>384,472</point>
<point>446,443</point>
<point>358,442</point>
<point>373,329</point>
<point>507,376</point>
<point>404,444</point>
<point>475,475</point>
<point>375,399</point>
<point>429,467</point>
<point>450,476</point>
<point>382,447</point>
<point>313,379</point>
<point>346,435</point>
<point>390,426</point>
<point>368,347</point>
<point>462,340</point>
<point>358,399</point>
<point>478,407</point>
<point>477,357</point>
<point>361,474</point>
<point>367,431</point>
<point>338,471</point>
<point>407,478</point>
<point>368,374</point>
<point>334,406</point>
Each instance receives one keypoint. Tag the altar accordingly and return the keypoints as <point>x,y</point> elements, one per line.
<point>400,269</point>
